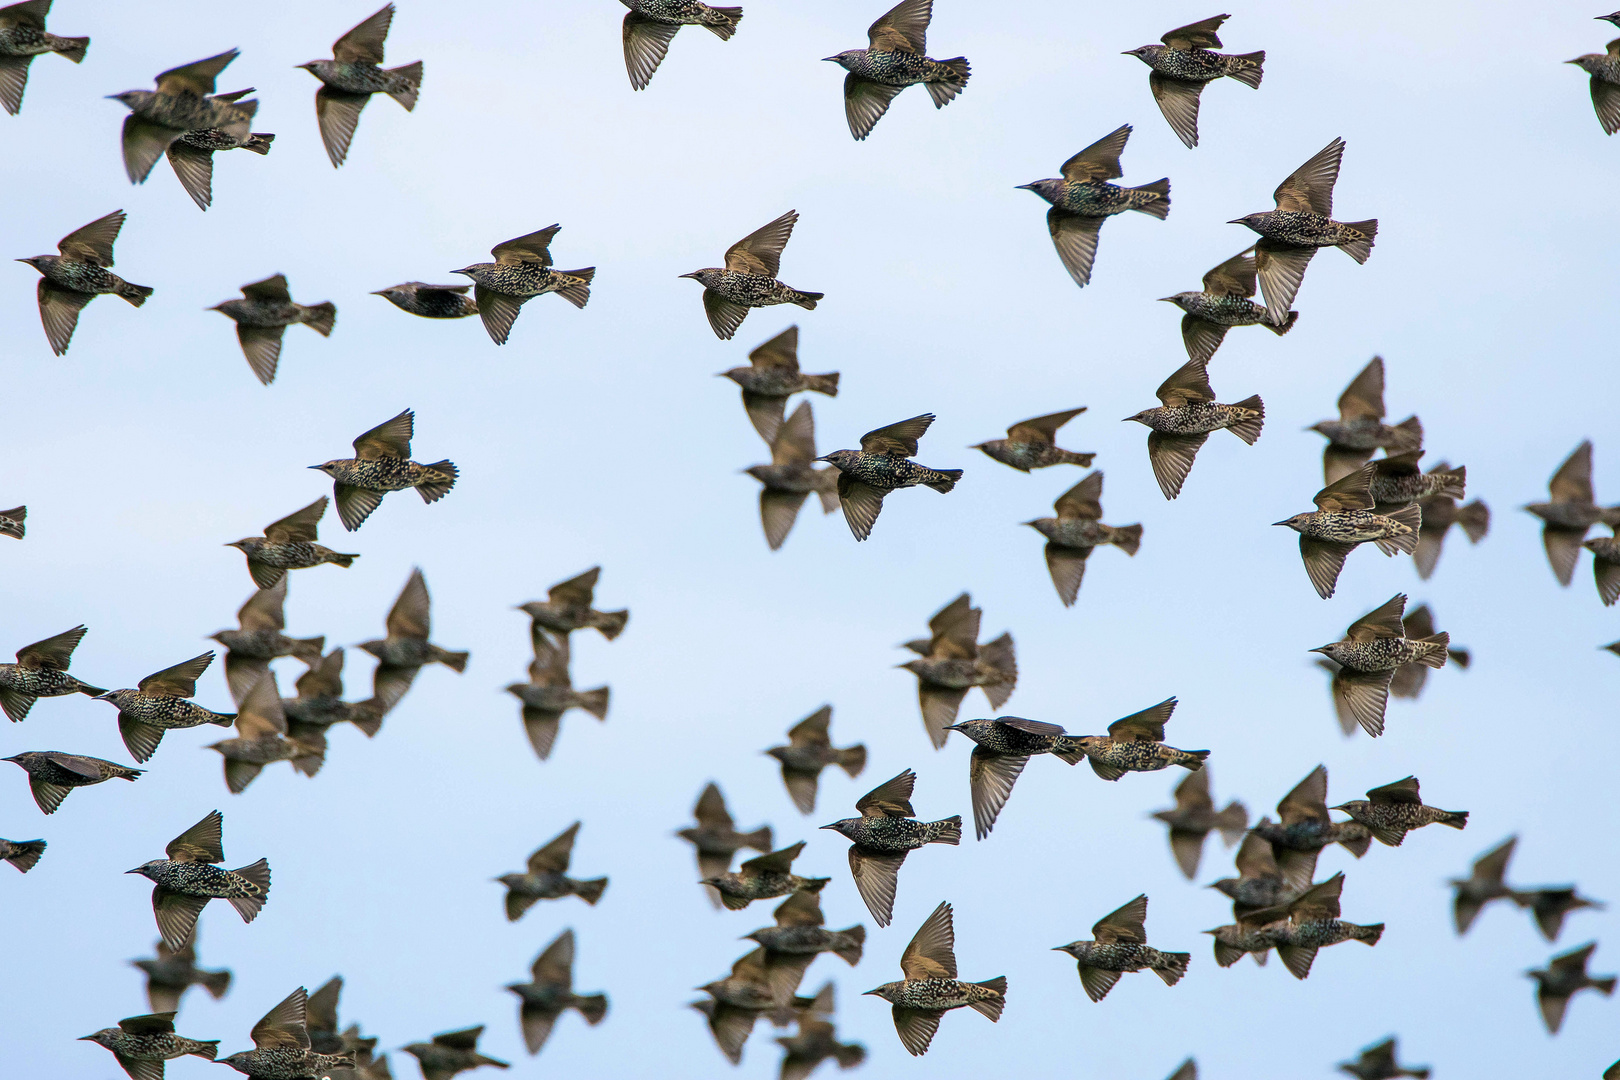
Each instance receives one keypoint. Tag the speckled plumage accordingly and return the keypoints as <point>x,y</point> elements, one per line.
<point>262,316</point>
<point>650,25</point>
<point>22,37</point>
<point>930,987</point>
<point>431,301</point>
<point>352,75</point>
<point>289,544</point>
<point>895,59</point>
<point>1393,810</point>
<point>52,774</point>
<point>78,275</point>
<point>1343,520</point>
<point>287,1063</point>
<point>160,704</point>
<point>546,877</point>
<point>749,278</point>
<point>450,1053</point>
<point>142,1043</point>
<point>1398,480</point>
<point>14,522</point>
<point>1185,63</point>
<point>41,670</point>
<point>763,878</point>
<point>189,877</point>
<point>382,464</point>
<point>1604,68</point>
<point>569,606</point>
<point>550,992</point>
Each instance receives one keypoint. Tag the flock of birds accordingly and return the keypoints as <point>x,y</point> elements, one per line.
<point>1391,502</point>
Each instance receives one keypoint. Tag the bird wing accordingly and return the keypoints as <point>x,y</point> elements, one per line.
<point>261,346</point>
<point>364,43</point>
<point>272,288</point>
<point>1172,459</point>
<point>264,609</point>
<point>725,316</point>
<point>1234,277</point>
<point>1144,726</point>
<point>1308,800</point>
<point>1075,239</point>
<point>284,1025</point>
<point>1363,697</point>
<point>760,252</point>
<point>579,589</point>
<point>903,28</point>
<point>321,1007</point>
<point>861,503</point>
<point>1572,482</point>
<point>795,439</point>
<point>391,438</point>
<point>939,708</point>
<point>408,618</point>
<point>1255,858</point>
<point>897,439</point>
<point>799,909</point>
<point>1323,562</point>
<point>29,13</point>
<point>1606,99</point>
<point>300,525</point>
<point>1349,492</point>
<point>1198,35</point>
<point>532,247</point>
<point>150,1024</point>
<point>801,785</point>
<point>1125,924</point>
<point>892,798</point>
<point>812,730</point>
<point>1100,160</point>
<point>260,713</point>
<point>932,951</point>
<point>1084,500</point>
<point>555,966</point>
<point>1067,567</point>
<point>1310,187</point>
<point>1178,101</point>
<point>1400,464</point>
<point>555,855</point>
<point>196,77</point>
<point>865,102</point>
<point>179,680</point>
<point>782,351</point>
<point>778,510</point>
<point>1383,621</point>
<point>711,811</point>
<point>1363,399</point>
<point>1280,270</point>
<point>93,243</point>
<point>53,653</point>
<point>1188,383</point>
<point>200,843</point>
<point>194,168</point>
<point>337,114</point>
<point>1401,791</point>
<point>355,504</point>
<point>1042,429</point>
<point>1319,901</point>
<point>876,879</point>
<point>176,914</point>
<point>775,862</point>
<point>59,313</point>
<point>646,42</point>
<point>1193,792</point>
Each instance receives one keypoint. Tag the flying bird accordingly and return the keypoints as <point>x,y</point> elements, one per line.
<point>13,522</point>
<point>183,101</point>
<point>1312,923</point>
<point>521,271</point>
<point>759,982</point>
<point>763,878</point>
<point>52,775</point>
<point>810,750</point>
<point>1571,512</point>
<point>1188,413</point>
<point>1120,945</point>
<point>41,670</point>
<point>143,1043</point>
<point>882,465</point>
<point>881,838</point>
<point>716,839</point>
<point>1603,67</point>
<point>1224,302</point>
<point>650,25</point>
<point>748,279</point>
<point>1076,531</point>
<point>321,1021</point>
<point>1550,904</point>
<point>547,877</point>
<point>1305,829</point>
<point>790,477</point>
<point>262,740</point>
<point>1344,519</point>
<point>953,662</point>
<point>1378,1062</point>
<point>1136,744</point>
<point>1374,647</point>
<point>320,703</point>
<point>189,877</point>
<point>1440,513</point>
<point>262,317</point>
<point>1393,810</point>
<point>1606,565</point>
<point>431,301</point>
<point>1399,479</point>
<point>1002,747</point>
<point>896,58</point>
<point>550,992</point>
<point>22,37</point>
<point>771,377</point>
<point>451,1052</point>
<point>1195,817</point>
<point>1360,428</point>
<point>1184,65</point>
<point>1259,883</point>
<point>550,692</point>
<point>191,155</point>
<point>353,74</point>
<point>1410,678</point>
<point>1032,444</point>
<point>1483,885</point>
<point>567,607</point>
<point>817,1041</point>
<point>171,972</point>
<point>74,278</point>
<point>22,854</point>
<point>930,987</point>
<point>1564,977</point>
<point>382,463</point>
<point>289,544</point>
<point>406,649</point>
<point>801,932</point>
<point>159,703</point>
<point>282,1046</point>
<point>248,651</point>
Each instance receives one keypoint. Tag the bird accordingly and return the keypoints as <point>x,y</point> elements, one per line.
<point>1305,829</point>
<point>22,854</point>
<point>289,544</point>
<point>567,607</point>
<point>158,703</point>
<point>183,101</point>
<point>143,1043</point>
<point>262,739</point>
<point>248,651</point>
<point>810,750</point>
<point>1195,817</point>
<point>189,877</point>
<point>1603,67</point>
<point>22,37</point>
<point>1344,519</point>
<point>171,972</point>
<point>1483,885</point>
<point>1119,945</point>
<point>382,463</point>
<point>521,271</point>
<point>550,992</point>
<point>716,839</point>
<point>12,522</point>
<point>760,982</point>
<point>1031,444</point>
<point>41,670</point>
<point>1399,479</point>
<point>881,838</point>
<point>407,649</point>
<point>74,278</point>
<point>1224,302</point>
<point>771,377</point>
<point>550,692</point>
<point>896,58</point>
<point>321,1021</point>
<point>1564,977</point>
<point>1312,922</point>
<point>1076,531</point>
<point>1243,938</point>
<point>1083,199</point>
<point>650,25</point>
<point>281,1045</point>
<point>1136,744</point>
<point>1302,223</point>
<point>1378,1062</point>
<point>748,279</point>
<point>1259,883</point>
<point>1184,65</point>
<point>729,1025</point>
<point>354,73</point>
<point>1188,1070</point>
<point>1440,513</point>
<point>800,932</point>
<point>1606,565</point>
<point>1360,428</point>
<point>1410,678</point>
<point>320,703</point>
<point>546,877</point>
<point>763,878</point>
<point>431,301</point>
<point>930,987</point>
<point>882,465</point>
<point>262,317</point>
<point>790,477</point>
<point>1549,905</point>
<point>191,155</point>
<point>1002,747</point>
<point>1571,512</point>
<point>1393,810</point>
<point>1187,414</point>
<point>817,1041</point>
<point>953,662</point>
<point>451,1052</point>
<point>1374,647</point>
<point>52,775</point>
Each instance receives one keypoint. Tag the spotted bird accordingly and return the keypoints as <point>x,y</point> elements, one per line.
<point>1184,65</point>
<point>521,271</point>
<point>1225,302</point>
<point>896,57</point>
<point>1183,422</point>
<point>77,276</point>
<point>382,463</point>
<point>748,279</point>
<point>355,73</point>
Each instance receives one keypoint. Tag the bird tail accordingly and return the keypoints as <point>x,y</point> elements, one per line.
<point>206,1051</point>
<point>28,855</point>
<point>593,1007</point>
<point>1457,819</point>
<point>1357,845</point>
<point>309,650</point>
<point>946,831</point>
<point>1368,934</point>
<point>1287,324</point>
<point>216,983</point>
<point>1410,515</point>
<point>954,76</point>
<point>1159,207</point>
<point>854,945</point>
<point>1475,519</point>
<point>1604,986</point>
<point>823,384</point>
<point>370,720</point>
<point>223,719</point>
<point>1247,68</point>
<point>992,1007</point>
<point>1456,482</point>
<point>729,18</point>
<point>1249,430</point>
<point>320,317</point>
<point>591,891</point>
<point>455,661</point>
<point>248,906</point>
<point>1411,430</point>
<point>123,772</point>
<point>259,142</point>
<point>609,623</point>
<point>944,479</point>
<point>434,490</point>
<point>1232,822</point>
<point>1072,457</point>
<point>852,760</point>
<point>807,300</point>
<point>1174,967</point>
<point>412,74</point>
<point>1193,760</point>
<point>71,47</point>
<point>595,702</point>
<point>1361,247</point>
<point>314,753</point>
<point>578,292</point>
<point>1435,657</point>
<point>1067,750</point>
<point>1461,657</point>
<point>1127,538</point>
<point>849,1055</point>
<point>135,294</point>
<point>340,559</point>
<point>759,839</point>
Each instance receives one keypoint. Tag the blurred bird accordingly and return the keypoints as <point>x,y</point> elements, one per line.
<point>158,704</point>
<point>1305,829</point>
<point>1440,512</point>
<point>41,671</point>
<point>352,75</point>
<point>1003,747</point>
<point>1302,223</point>
<point>1083,199</point>
<point>1549,905</point>
<point>321,1021</point>
<point>1120,945</point>
<point>191,156</point>
<point>1409,678</point>
<point>189,877</point>
<point>382,463</point>
<point>650,25</point>
<point>23,854</point>
<point>52,775</point>
<point>771,378</point>
<point>758,983</point>
<point>431,301</point>
<point>1399,479</point>
<point>716,837</point>
<point>183,101</point>
<point>1571,512</point>
<point>1032,444</point>
<point>1195,817</point>
<point>748,279</point>
<point>953,662</point>
<point>550,993</point>
<point>1360,428</point>
<point>262,739</point>
<point>12,522</point>
<point>930,988</point>
<point>262,317</point>
<point>407,649</point>
<point>1076,531</point>
<point>882,466</point>
<point>896,58</point>
<point>1259,883</point>
<point>451,1052</point>
<point>143,1043</point>
<point>729,1025</point>
<point>1343,520</point>
<point>248,651</point>
<point>521,271</point>
<point>763,878</point>
<point>1225,302</point>
<point>810,750</point>
<point>816,1041</point>
<point>790,477</point>
<point>1603,67</point>
<point>1377,1062</point>
<point>320,703</point>
<point>1188,413</point>
<point>1243,938</point>
<point>550,692</point>
<point>74,278</point>
<point>567,607</point>
<point>174,971</point>
<point>1563,977</point>
<point>1393,810</point>
<point>22,37</point>
<point>800,931</point>
<point>1136,744</point>
<point>1365,662</point>
<point>1313,923</point>
<point>289,544</point>
<point>1188,1070</point>
<point>282,1048</point>
<point>1483,885</point>
<point>881,838</point>
<point>547,877</point>
<point>1184,65</point>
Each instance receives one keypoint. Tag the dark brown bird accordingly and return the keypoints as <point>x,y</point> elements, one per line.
<point>547,877</point>
<point>262,740</point>
<point>1360,428</point>
<point>771,378</point>
<point>1195,817</point>
<point>22,37</point>
<point>882,465</point>
<point>450,1053</point>
<point>158,703</point>
<point>1378,1062</point>
<point>716,839</point>
<point>281,1046</point>
<point>189,877</point>
<point>1399,479</point>
<point>930,987</point>
<point>790,477</point>
<point>1393,810</point>
<point>23,854</point>
<point>320,703</point>
<point>1306,828</point>
<point>262,317</point>
<point>1550,904</point>
<point>1484,884</point>
<point>249,650</point>
<point>13,522</point>
<point>1344,519</point>
<point>141,1044</point>
<point>1259,883</point>
<point>759,982</point>
<point>817,1041</point>
<point>289,544</point>
<point>1187,415</point>
<point>550,992</point>
<point>1604,68</point>
<point>1119,945</point>
<point>748,280</point>
<point>1032,444</point>
<point>801,933</point>
<point>1564,977</point>
<point>1076,531</point>
<point>1310,923</point>
<point>321,1020</point>
<point>1364,663</point>
<point>174,971</point>
<point>77,276</point>
<point>763,878</point>
<point>953,662</point>
<point>881,838</point>
<point>431,301</point>
<point>1606,566</point>
<point>1440,513</point>
<point>521,271</point>
<point>52,775</point>
<point>355,73</point>
<point>650,25</point>
<point>1004,747</point>
<point>1226,301</point>
<point>897,57</point>
<point>1135,743</point>
<point>191,156</point>
<point>1410,678</point>
<point>407,649</point>
<point>550,692</point>
<point>810,750</point>
<point>41,670</point>
<point>382,463</point>
<point>1571,512</point>
<point>567,607</point>
<point>183,101</point>
<point>1184,65</point>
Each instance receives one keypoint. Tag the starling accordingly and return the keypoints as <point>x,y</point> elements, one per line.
<point>1184,65</point>
<point>749,981</point>
<point>22,37</point>
<point>882,465</point>
<point>451,1052</point>
<point>1409,678</point>
<point>406,649</point>
<point>567,607</point>
<point>550,993</point>
<point>521,271</point>
<point>1135,744</point>
<point>817,1041</point>
<point>1398,480</point>
<point>1259,883</point>
<point>1563,978</point>
<point>1120,945</point>
<point>53,774</point>
<point>1344,519</point>
<point>192,154</point>
<point>883,835</point>
<point>1571,512</point>
<point>1306,828</point>
<point>1360,429</point>
<point>1604,67</point>
<point>1188,1070</point>
<point>809,750</point>
<point>382,463</point>
<point>12,522</point>
<point>759,982</point>
<point>1483,884</point>
<point>748,280</point>
<point>1378,1063</point>
<point>1440,512</point>
<point>896,58</point>
<point>1393,810</point>
<point>289,544</point>
<point>763,878</point>
<point>1031,444</point>
<point>547,877</point>
<point>1302,223</point>
<point>1606,565</point>
<point>174,971</point>
<point>183,101</point>
<point>159,704</point>
<point>352,75</point>
<point>1548,906</point>
<point>1083,199</point>
<point>1003,747</point>
<point>1195,817</point>
<point>771,378</point>
<point>1374,647</point>
<point>143,1043</point>
<point>431,301</point>
<point>800,932</point>
<point>1243,938</point>
<point>953,662</point>
<point>189,877</point>
<point>790,477</point>
<point>716,837</point>
<point>650,25</point>
<point>930,987</point>
<point>320,703</point>
<point>550,692</point>
<point>262,317</point>
<point>1077,529</point>
<point>1184,420</point>
<point>22,854</point>
<point>321,1021</point>
<point>71,280</point>
<point>1224,303</point>
<point>261,739</point>
<point>282,1047</point>
<point>248,651</point>
<point>1312,923</point>
<point>729,1025</point>
<point>41,671</point>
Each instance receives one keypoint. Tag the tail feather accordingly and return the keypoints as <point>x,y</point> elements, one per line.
<point>1072,457</point>
<point>135,294</point>
<point>369,716</point>
<point>1457,819</point>
<point>595,702</point>
<point>992,1007</point>
<point>852,760</point>
<point>1410,515</point>
<point>1198,756</point>
<point>591,891</point>
<point>1159,207</point>
<point>434,490</point>
<point>248,906</point>
<point>259,142</point>
<point>309,650</point>
<point>1456,482</point>
<point>807,300</point>
<point>309,763</point>
<point>759,839</point>
<point>1002,656</point>
<point>610,623</point>
<point>320,317</point>
<point>1604,986</point>
<point>723,30</point>
<point>1435,658</point>
<point>849,1055</point>
<point>578,292</point>
<point>593,1007</point>
<point>1411,430</point>
<point>1475,519</point>
<point>1287,324</point>
<point>823,384</point>
<point>1357,845</point>
<point>944,480</point>
<point>207,1051</point>
<point>1249,430</point>
<point>455,661</point>
<point>73,48</point>
<point>338,558</point>
<point>1127,538</point>
<point>29,854</point>
<point>216,983</point>
<point>1361,247</point>
<point>1251,73</point>
<point>1369,934</point>
<point>412,73</point>
<point>943,91</point>
<point>854,945</point>
<point>1232,822</point>
<point>1175,967</point>
<point>947,831</point>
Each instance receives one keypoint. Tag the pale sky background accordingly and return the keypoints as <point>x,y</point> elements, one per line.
<point>601,436</point>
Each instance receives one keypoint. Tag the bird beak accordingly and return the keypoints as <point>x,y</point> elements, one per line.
<point>1320,649</point>
<point>1341,806</point>
<point>134,871</point>
<point>311,466</point>
<point>977,446</point>
<point>834,59</point>
<point>103,697</point>
<point>1279,522</point>
<point>1237,221</point>
<point>824,826</point>
<point>379,292</point>
<point>868,993</point>
<point>1571,61</point>
<point>1171,299</point>
<point>1024,187</point>
<point>693,274</point>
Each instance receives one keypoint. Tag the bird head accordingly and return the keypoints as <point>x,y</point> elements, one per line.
<point>1226,887</point>
<point>468,271</point>
<point>704,276</point>
<point>330,468</point>
<point>736,374</point>
<point>314,67</point>
<point>778,752</point>
<point>713,883</point>
<point>1297,522</point>
<point>245,544</point>
<point>840,458</point>
<point>104,1037</point>
<point>133,99</point>
<point>1138,417</point>
<point>392,293</point>
<point>1332,651</point>
<point>758,472</point>
<point>971,728</point>
<point>1044,525</point>
<point>990,446</point>
<point>1144,53</point>
<point>1586,63</point>
<point>146,868</point>
<point>34,260</point>
<point>375,648</point>
<point>888,991</point>
<point>1050,190</point>
<point>1353,807</point>
<point>1180,299</point>
<point>115,697</point>
<point>1072,948</point>
<point>916,667</point>
<point>843,826</point>
<point>1251,220</point>
<point>15,758</point>
<point>511,881</point>
<point>845,59</point>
